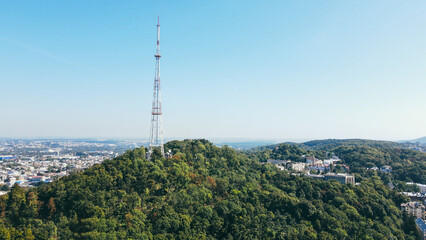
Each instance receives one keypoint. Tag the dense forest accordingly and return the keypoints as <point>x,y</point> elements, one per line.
<point>202,192</point>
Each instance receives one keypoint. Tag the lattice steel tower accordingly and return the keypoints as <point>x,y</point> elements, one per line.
<point>156,137</point>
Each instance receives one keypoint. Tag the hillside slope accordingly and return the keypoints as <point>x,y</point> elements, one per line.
<point>203,192</point>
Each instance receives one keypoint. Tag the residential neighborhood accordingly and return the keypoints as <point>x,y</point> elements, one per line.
<point>33,162</point>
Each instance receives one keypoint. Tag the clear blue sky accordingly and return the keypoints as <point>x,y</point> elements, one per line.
<point>241,69</point>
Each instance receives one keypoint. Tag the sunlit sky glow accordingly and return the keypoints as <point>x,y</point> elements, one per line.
<point>230,69</point>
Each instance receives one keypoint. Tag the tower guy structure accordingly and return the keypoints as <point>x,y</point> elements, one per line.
<point>156,133</point>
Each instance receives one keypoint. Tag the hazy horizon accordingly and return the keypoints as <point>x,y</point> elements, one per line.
<point>282,70</point>
<point>214,140</point>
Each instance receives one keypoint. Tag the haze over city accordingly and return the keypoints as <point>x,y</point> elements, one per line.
<point>284,70</point>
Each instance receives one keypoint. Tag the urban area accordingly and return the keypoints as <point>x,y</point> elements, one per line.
<point>29,163</point>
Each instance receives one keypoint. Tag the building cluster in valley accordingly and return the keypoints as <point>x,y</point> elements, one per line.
<point>32,162</point>
<point>316,168</point>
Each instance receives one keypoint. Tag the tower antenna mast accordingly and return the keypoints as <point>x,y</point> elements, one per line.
<point>156,134</point>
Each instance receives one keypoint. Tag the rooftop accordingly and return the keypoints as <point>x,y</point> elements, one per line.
<point>421,224</point>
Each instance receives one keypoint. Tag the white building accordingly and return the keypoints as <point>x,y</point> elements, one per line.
<point>421,186</point>
<point>386,169</point>
<point>298,166</point>
<point>341,177</point>
<point>331,161</point>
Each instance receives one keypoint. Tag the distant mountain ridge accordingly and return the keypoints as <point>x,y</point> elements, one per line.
<point>421,140</point>
<point>333,143</point>
<point>328,144</point>
<point>245,144</point>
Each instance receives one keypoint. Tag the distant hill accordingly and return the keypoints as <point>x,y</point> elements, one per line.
<point>421,140</point>
<point>333,143</point>
<point>328,144</point>
<point>245,144</point>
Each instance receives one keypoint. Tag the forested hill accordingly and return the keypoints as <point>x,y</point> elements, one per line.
<point>333,143</point>
<point>202,192</point>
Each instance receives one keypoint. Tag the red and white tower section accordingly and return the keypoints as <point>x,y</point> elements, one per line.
<point>156,134</point>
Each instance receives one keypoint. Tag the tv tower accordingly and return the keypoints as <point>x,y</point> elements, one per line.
<point>156,137</point>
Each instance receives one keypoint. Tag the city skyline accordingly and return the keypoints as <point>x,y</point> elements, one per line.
<point>252,71</point>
